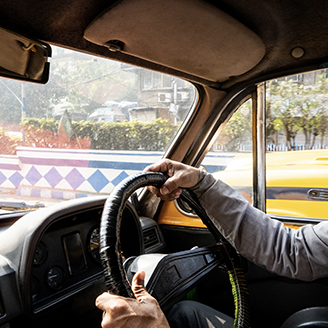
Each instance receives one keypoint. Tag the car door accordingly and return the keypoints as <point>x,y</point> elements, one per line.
<point>273,150</point>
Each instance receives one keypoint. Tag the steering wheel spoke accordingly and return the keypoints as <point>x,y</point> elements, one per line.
<point>170,277</point>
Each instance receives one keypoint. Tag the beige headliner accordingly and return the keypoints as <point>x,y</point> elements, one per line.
<point>192,36</point>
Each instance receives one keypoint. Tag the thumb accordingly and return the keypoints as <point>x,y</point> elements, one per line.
<point>138,286</point>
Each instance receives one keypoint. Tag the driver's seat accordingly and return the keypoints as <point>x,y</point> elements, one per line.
<point>316,317</point>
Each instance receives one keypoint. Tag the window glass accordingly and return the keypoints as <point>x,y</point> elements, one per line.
<point>230,158</point>
<point>94,123</point>
<point>297,146</point>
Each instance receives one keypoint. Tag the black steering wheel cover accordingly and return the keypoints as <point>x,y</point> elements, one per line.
<point>110,246</point>
<point>110,227</point>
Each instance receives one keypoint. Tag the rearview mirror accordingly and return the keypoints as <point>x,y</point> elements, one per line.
<point>23,58</point>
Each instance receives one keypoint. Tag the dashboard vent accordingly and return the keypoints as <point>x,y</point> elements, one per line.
<point>151,238</point>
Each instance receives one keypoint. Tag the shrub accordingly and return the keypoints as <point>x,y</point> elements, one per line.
<point>128,135</point>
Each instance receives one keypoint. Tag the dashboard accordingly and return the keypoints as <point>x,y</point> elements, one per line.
<point>66,259</point>
<point>52,254</point>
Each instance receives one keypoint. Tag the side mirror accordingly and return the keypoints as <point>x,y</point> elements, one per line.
<point>22,58</point>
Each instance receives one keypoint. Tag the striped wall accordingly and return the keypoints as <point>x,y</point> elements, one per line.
<point>71,173</point>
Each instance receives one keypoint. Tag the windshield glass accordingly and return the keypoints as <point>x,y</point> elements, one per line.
<point>94,123</point>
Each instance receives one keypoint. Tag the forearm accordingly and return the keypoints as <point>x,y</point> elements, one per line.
<point>268,243</point>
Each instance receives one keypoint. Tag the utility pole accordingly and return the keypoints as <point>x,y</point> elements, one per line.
<point>23,103</point>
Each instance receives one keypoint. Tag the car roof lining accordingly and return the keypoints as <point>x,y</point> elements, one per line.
<point>165,32</point>
<point>281,25</point>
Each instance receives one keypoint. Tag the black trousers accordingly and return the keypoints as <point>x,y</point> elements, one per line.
<point>190,314</point>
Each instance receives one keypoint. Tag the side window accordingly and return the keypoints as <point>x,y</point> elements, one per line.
<point>297,146</point>
<point>230,158</point>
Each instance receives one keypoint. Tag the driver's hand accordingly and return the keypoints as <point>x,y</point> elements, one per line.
<point>180,176</point>
<point>140,312</point>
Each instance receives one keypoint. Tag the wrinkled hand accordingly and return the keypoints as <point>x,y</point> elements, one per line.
<point>180,176</point>
<point>140,312</point>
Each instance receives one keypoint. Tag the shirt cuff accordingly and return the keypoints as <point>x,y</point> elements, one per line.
<point>205,181</point>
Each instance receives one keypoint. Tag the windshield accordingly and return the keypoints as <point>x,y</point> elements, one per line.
<point>93,124</point>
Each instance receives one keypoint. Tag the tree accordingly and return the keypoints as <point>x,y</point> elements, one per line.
<point>292,108</point>
<point>92,81</point>
<point>299,107</point>
<point>76,78</point>
<point>10,105</point>
<point>284,109</point>
<point>238,130</point>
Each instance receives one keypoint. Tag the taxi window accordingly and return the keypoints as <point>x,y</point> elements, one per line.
<point>93,124</point>
<point>295,149</point>
<point>297,146</point>
<point>230,158</point>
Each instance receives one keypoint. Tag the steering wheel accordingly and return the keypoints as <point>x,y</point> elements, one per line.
<point>169,278</point>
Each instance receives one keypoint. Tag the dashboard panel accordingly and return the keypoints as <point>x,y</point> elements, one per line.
<point>66,259</point>
<point>52,254</point>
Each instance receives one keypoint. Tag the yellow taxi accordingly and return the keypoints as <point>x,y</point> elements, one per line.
<point>296,182</point>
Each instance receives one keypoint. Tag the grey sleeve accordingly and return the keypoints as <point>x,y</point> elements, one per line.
<point>300,254</point>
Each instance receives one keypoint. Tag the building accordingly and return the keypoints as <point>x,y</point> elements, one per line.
<point>161,95</point>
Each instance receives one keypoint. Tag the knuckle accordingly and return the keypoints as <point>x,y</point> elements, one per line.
<point>117,306</point>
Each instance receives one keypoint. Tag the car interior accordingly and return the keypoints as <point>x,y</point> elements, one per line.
<point>51,270</point>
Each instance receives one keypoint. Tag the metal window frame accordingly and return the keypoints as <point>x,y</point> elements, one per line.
<point>259,148</point>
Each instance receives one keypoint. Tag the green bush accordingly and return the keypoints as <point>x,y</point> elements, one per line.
<point>128,135</point>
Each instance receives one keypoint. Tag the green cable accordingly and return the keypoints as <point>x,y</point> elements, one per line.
<point>240,294</point>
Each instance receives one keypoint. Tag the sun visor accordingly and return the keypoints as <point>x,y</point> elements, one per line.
<point>191,36</point>
<point>23,58</point>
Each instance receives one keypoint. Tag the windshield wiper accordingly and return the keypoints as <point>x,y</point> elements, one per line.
<point>19,206</point>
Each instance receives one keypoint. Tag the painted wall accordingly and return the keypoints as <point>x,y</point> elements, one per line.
<point>71,173</point>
